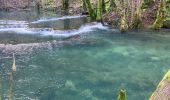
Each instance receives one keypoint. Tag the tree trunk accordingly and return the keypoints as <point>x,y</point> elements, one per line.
<point>90,10</point>
<point>136,16</point>
<point>161,14</point>
<point>122,11</point>
<point>4,4</point>
<point>103,6</point>
<point>65,4</point>
<point>84,6</point>
<point>99,11</point>
<point>65,7</point>
<point>162,91</point>
<point>38,5</point>
<point>123,22</point>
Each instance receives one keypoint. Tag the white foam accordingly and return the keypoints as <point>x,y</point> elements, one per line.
<point>10,24</point>
<point>57,33</point>
<point>55,19</point>
<point>83,29</point>
<point>17,30</point>
<point>13,22</point>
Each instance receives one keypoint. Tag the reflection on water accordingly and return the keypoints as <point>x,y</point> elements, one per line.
<point>89,66</point>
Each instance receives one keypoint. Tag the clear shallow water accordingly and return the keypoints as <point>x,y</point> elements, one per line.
<point>91,65</point>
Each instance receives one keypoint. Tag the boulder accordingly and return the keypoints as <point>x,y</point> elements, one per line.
<point>166,24</point>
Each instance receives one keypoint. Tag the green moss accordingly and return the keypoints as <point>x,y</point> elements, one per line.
<point>137,23</point>
<point>161,15</point>
<point>123,23</point>
<point>147,4</point>
<point>103,6</point>
<point>122,95</point>
<point>99,11</point>
<point>90,10</point>
<point>167,76</point>
<point>167,19</point>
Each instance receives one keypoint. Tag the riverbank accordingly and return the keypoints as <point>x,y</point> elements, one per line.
<point>112,17</point>
<point>75,6</point>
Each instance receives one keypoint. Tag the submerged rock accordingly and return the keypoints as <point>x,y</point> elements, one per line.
<point>70,85</point>
<point>88,93</point>
<point>155,58</point>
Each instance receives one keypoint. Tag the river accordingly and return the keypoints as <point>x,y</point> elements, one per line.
<point>70,58</point>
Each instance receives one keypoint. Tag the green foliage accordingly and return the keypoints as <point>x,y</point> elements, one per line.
<point>99,11</point>
<point>137,22</point>
<point>90,10</point>
<point>147,3</point>
<point>168,18</point>
<point>122,95</point>
<point>168,8</point>
<point>161,15</point>
<point>50,3</point>
<point>121,10</point>
<point>112,3</point>
<point>123,23</point>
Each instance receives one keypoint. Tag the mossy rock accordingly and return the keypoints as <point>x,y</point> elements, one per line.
<point>166,24</point>
<point>122,95</point>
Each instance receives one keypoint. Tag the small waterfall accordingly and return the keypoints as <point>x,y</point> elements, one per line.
<point>5,24</point>
<point>55,19</point>
<point>56,33</point>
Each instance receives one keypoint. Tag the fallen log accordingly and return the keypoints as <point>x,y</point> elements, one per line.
<point>162,91</point>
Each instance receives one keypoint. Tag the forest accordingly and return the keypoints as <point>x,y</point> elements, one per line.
<point>123,14</point>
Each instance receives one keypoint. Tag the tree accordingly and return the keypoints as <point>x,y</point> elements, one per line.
<point>84,5</point>
<point>136,16</point>
<point>90,10</point>
<point>112,4</point>
<point>65,4</point>
<point>99,11</point>
<point>121,10</point>
<point>103,6</point>
<point>161,15</point>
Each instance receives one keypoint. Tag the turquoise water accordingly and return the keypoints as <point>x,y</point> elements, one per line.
<point>90,65</point>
